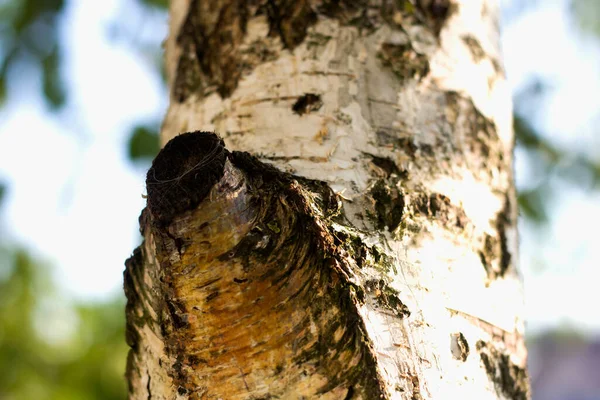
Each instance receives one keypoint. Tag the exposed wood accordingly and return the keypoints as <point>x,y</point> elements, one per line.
<point>367,248</point>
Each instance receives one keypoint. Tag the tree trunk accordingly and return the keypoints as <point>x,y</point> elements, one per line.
<point>353,233</point>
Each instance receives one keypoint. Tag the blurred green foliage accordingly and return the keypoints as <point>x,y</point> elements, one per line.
<point>157,3</point>
<point>143,143</point>
<point>552,163</point>
<point>51,348</point>
<point>29,35</point>
<point>587,13</point>
<point>570,165</point>
<point>2,192</point>
<point>29,32</point>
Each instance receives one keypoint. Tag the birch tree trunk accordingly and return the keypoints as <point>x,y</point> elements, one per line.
<point>352,232</point>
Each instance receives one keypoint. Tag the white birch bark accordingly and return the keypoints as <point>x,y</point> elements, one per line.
<point>402,110</point>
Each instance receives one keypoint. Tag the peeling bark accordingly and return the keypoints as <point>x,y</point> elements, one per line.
<point>259,300</point>
<point>350,233</point>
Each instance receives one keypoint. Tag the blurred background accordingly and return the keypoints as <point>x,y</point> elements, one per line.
<point>82,94</point>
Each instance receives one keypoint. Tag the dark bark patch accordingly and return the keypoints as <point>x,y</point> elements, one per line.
<point>503,222</point>
<point>498,67</point>
<point>404,61</point>
<point>459,346</point>
<point>488,254</point>
<point>183,173</point>
<point>210,38</point>
<point>416,387</point>
<point>387,297</point>
<point>307,103</point>
<point>368,15</point>
<point>495,255</point>
<point>359,13</point>
<point>182,391</point>
<point>349,393</point>
<point>363,254</point>
<point>316,40</point>
<point>404,144</point>
<point>474,47</point>
<point>439,207</point>
<point>437,12</point>
<point>509,379</point>
<point>480,140</point>
<point>188,76</point>
<point>149,387</point>
<point>266,174</point>
<point>213,54</point>
<point>386,196</point>
<point>388,204</point>
<point>133,267</point>
<point>258,52</point>
<point>481,131</point>
<point>258,243</point>
<point>213,295</point>
<point>178,314</point>
<point>387,165</point>
<point>290,20</point>
<point>258,171</point>
<point>408,145</point>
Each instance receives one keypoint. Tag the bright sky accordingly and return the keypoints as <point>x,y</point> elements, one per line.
<point>74,197</point>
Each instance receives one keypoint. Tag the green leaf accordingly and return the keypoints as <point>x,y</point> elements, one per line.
<point>30,35</point>
<point>143,143</point>
<point>85,364</point>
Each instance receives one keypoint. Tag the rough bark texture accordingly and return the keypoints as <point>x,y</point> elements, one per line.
<point>351,234</point>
